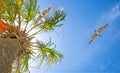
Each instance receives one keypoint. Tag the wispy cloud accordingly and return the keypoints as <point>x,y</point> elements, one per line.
<point>111,15</point>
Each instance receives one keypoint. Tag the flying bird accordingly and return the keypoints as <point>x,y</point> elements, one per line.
<point>97,33</point>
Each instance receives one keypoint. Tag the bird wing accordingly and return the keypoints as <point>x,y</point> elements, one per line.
<point>92,38</point>
<point>102,28</point>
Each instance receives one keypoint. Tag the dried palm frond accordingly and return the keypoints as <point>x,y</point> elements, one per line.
<point>4,26</point>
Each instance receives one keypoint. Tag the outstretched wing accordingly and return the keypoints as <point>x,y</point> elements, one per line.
<point>92,38</point>
<point>102,28</point>
<point>4,26</point>
<point>99,30</point>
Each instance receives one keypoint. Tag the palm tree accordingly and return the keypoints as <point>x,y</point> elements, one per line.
<point>25,21</point>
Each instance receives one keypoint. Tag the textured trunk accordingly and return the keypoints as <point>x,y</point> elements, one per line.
<point>9,50</point>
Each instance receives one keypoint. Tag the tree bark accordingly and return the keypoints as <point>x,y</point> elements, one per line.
<point>9,50</point>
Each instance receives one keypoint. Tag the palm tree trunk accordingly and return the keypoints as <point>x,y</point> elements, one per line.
<point>9,50</point>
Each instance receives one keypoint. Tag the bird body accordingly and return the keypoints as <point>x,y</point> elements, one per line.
<point>97,33</point>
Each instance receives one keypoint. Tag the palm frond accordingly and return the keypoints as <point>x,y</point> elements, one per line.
<point>47,54</point>
<point>52,21</point>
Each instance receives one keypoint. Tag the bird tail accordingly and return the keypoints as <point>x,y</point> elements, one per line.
<point>100,36</point>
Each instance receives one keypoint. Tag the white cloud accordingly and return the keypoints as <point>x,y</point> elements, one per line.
<point>111,15</point>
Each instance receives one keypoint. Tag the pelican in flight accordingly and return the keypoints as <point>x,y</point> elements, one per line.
<point>97,33</point>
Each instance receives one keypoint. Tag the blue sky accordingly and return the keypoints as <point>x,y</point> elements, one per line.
<point>84,16</point>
